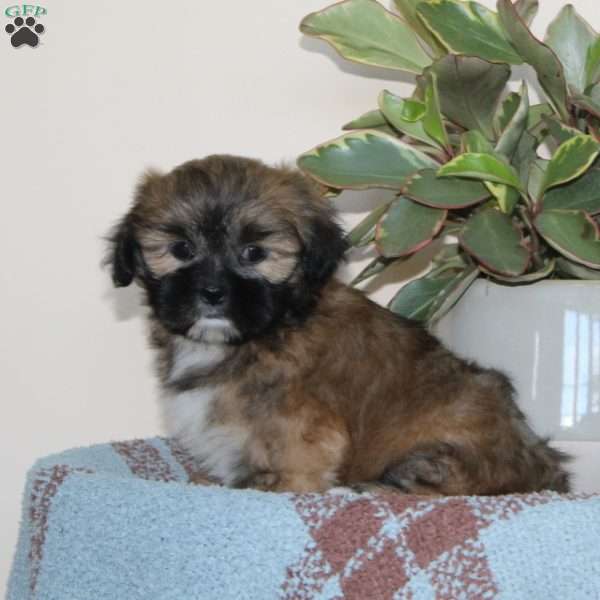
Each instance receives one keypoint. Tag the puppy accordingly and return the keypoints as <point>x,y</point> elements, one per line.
<point>275,376</point>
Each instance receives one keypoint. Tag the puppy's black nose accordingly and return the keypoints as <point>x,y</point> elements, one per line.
<point>213,295</point>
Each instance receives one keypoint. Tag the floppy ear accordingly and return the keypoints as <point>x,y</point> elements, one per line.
<point>324,248</point>
<point>123,254</point>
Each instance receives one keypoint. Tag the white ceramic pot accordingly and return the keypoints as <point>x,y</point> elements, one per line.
<point>546,337</point>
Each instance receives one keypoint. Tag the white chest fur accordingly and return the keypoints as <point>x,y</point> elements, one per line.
<point>190,357</point>
<point>218,448</point>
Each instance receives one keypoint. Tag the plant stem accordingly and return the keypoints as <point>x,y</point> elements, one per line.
<point>528,216</point>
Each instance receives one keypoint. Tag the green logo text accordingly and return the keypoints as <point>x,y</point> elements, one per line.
<point>24,10</point>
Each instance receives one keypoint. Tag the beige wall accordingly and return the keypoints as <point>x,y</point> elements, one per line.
<point>116,87</point>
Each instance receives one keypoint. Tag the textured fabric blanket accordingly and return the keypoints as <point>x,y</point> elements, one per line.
<point>120,522</point>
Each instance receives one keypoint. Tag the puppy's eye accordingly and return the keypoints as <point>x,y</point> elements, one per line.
<point>253,254</point>
<point>181,250</point>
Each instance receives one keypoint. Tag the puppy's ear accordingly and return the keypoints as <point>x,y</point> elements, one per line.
<point>324,248</point>
<point>123,254</point>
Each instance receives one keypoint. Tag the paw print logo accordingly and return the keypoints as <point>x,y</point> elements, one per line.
<point>24,31</point>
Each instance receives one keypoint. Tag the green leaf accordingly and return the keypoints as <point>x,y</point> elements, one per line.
<point>581,194</point>
<point>376,266</point>
<point>536,113</point>
<point>492,239</point>
<point>364,159</point>
<point>364,32</point>
<point>448,192</point>
<point>405,115</point>
<point>592,63</point>
<point>527,10</point>
<point>573,270</point>
<point>558,130</point>
<point>432,120</point>
<point>469,90</point>
<point>593,92</point>
<point>505,112</point>
<point>407,227</point>
<point>430,150</point>
<point>448,256</point>
<point>453,294</point>
<point>404,109</point>
<point>418,299</point>
<point>545,63</point>
<point>367,225</point>
<point>408,9</point>
<point>571,38</point>
<point>573,233</point>
<point>369,120</point>
<point>537,173</point>
<point>511,134</point>
<point>587,103</point>
<point>506,196</point>
<point>571,160</point>
<point>546,271</point>
<point>524,156</point>
<point>481,166</point>
<point>475,141</point>
<point>468,28</point>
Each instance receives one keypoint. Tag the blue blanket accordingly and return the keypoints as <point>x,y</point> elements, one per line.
<point>120,522</point>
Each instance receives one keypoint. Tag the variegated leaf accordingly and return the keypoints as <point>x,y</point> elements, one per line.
<point>512,132</point>
<point>543,273</point>
<point>588,103</point>
<point>492,239</point>
<point>573,233</point>
<point>376,266</point>
<point>481,166</point>
<point>575,271</point>
<point>364,159</point>
<point>592,64</point>
<point>559,130</point>
<point>461,284</point>
<point>407,227</point>
<point>505,112</point>
<point>433,122</point>
<point>580,194</point>
<point>571,160</point>
<point>527,10</point>
<point>367,226</point>
<point>364,31</point>
<point>506,196</point>
<point>427,188</point>
<point>547,66</point>
<point>469,90</point>
<point>418,299</point>
<point>408,10</point>
<point>369,120</point>
<point>572,38</point>
<point>468,28</point>
<point>405,115</point>
<point>475,141</point>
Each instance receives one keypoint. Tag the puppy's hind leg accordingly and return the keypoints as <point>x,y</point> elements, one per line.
<point>433,469</point>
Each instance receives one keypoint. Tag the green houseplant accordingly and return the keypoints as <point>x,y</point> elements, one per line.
<point>465,153</point>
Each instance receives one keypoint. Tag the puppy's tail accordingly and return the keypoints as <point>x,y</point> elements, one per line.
<point>547,464</point>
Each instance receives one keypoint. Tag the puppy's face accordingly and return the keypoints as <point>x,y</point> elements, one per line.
<point>226,247</point>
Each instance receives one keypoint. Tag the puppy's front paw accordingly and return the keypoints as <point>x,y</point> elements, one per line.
<point>266,481</point>
<point>199,478</point>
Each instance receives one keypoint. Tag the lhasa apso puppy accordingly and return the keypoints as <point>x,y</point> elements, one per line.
<point>278,377</point>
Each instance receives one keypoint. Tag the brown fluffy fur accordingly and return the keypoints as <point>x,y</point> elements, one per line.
<point>342,392</point>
